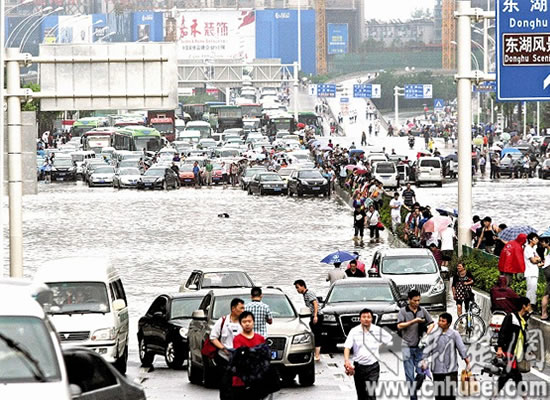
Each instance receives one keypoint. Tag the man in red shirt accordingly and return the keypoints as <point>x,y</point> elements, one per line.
<point>247,338</point>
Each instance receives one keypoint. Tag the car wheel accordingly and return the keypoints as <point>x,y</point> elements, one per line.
<point>261,192</point>
<point>164,185</point>
<point>249,191</point>
<point>299,193</point>
<point>439,184</point>
<point>173,355</point>
<point>146,357</point>
<point>307,375</point>
<point>122,362</point>
<point>209,376</point>
<point>288,377</point>
<point>193,372</point>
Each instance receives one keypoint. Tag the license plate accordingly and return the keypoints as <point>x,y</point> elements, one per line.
<point>101,181</point>
<point>316,188</point>
<point>148,184</point>
<point>274,355</point>
<point>277,189</point>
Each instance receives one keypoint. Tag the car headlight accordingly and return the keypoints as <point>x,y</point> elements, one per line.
<point>329,317</point>
<point>183,332</point>
<point>388,317</point>
<point>324,182</point>
<point>304,183</point>
<point>438,287</point>
<point>303,338</point>
<point>104,334</point>
<point>267,186</point>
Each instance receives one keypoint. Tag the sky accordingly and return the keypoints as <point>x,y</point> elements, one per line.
<point>394,9</point>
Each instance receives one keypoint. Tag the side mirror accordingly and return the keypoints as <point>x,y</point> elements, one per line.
<point>199,315</point>
<point>305,312</point>
<point>75,391</point>
<point>320,299</point>
<point>373,272</point>
<point>119,304</point>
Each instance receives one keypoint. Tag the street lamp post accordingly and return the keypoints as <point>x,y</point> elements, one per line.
<point>17,6</point>
<point>31,29</point>
<point>23,23</point>
<point>300,35</point>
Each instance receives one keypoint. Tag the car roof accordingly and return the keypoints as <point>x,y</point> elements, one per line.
<point>15,302</point>
<point>217,270</point>
<point>244,292</point>
<point>76,269</point>
<point>191,294</point>
<point>405,252</point>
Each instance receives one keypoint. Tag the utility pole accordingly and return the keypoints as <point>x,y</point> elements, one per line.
<point>296,91</point>
<point>396,94</point>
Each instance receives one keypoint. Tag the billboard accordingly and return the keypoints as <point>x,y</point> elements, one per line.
<point>337,38</point>
<point>277,36</point>
<point>75,30</point>
<point>216,34</point>
<point>148,26</point>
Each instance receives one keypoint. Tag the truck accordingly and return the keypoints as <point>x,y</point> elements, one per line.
<point>163,121</point>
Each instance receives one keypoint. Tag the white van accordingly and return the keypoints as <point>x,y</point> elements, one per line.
<point>386,172</point>
<point>26,332</point>
<point>429,170</point>
<point>89,306</point>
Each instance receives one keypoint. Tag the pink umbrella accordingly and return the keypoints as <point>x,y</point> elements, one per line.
<point>351,167</point>
<point>437,224</point>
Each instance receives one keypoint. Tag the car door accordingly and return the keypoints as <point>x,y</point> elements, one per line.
<point>154,334</point>
<point>196,328</point>
<point>375,262</point>
<point>93,376</point>
<point>255,183</point>
<point>192,283</point>
<point>292,181</point>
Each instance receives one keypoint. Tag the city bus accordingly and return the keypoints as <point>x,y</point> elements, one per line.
<point>83,125</point>
<point>144,138</point>
<point>228,117</point>
<point>309,118</point>
<point>98,138</point>
<point>251,110</point>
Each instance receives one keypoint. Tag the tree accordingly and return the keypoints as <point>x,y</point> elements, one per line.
<point>45,119</point>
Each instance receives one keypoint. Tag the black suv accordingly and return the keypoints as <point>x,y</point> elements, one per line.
<point>63,169</point>
<point>347,297</point>
<point>308,181</point>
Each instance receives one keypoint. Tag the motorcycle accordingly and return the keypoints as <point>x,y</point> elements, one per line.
<point>495,324</point>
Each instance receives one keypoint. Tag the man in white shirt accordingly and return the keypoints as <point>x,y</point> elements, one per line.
<point>365,340</point>
<point>223,332</point>
<point>532,261</point>
<point>395,205</point>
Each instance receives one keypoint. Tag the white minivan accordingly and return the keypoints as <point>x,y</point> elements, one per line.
<point>386,172</point>
<point>89,307</point>
<point>429,170</point>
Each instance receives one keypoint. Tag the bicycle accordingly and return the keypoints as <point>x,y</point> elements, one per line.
<point>470,326</point>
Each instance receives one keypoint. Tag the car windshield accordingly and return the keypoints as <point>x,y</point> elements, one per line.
<point>32,337</point>
<point>301,156</point>
<point>409,265</point>
<point>186,168</point>
<point>279,304</point>
<point>270,178</point>
<point>430,163</point>
<point>385,168</point>
<point>62,162</point>
<point>225,279</point>
<point>104,170</point>
<point>154,172</point>
<point>184,307</point>
<point>252,172</point>
<point>310,175</point>
<point>79,297</point>
<point>285,171</point>
<point>358,293</point>
<point>129,171</point>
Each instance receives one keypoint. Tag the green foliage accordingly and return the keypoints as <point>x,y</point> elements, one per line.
<point>322,78</point>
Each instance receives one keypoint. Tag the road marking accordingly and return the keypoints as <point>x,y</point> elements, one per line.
<point>539,374</point>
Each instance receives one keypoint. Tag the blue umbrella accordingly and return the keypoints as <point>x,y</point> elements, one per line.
<point>338,257</point>
<point>353,151</point>
<point>447,213</point>
<point>510,150</point>
<point>545,234</point>
<point>512,232</point>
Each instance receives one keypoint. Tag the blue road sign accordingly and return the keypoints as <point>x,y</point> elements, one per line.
<point>485,87</point>
<point>418,91</point>
<point>363,91</point>
<point>337,38</point>
<point>439,104</point>
<point>326,90</point>
<point>344,99</point>
<point>523,54</point>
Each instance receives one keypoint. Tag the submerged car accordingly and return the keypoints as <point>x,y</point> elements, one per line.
<point>216,278</point>
<point>412,269</point>
<point>308,181</point>
<point>163,328</point>
<point>102,176</point>
<point>267,182</point>
<point>247,176</point>
<point>347,297</point>
<point>289,337</point>
<point>159,178</point>
<point>63,169</point>
<point>126,178</point>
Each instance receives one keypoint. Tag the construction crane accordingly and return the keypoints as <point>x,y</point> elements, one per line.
<point>448,35</point>
<point>321,33</point>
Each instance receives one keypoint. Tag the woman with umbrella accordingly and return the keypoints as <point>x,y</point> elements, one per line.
<point>511,259</point>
